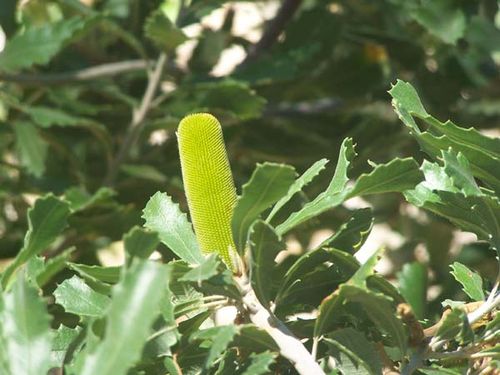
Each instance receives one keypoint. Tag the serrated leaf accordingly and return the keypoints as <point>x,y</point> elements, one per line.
<point>140,243</point>
<point>264,247</point>
<point>456,166</point>
<point>109,275</point>
<point>78,298</point>
<point>37,45</point>
<point>482,152</point>
<point>395,176</point>
<point>471,282</point>
<point>162,215</point>
<point>220,338</point>
<point>46,219</point>
<point>413,286</point>
<point>298,185</point>
<point>25,337</point>
<point>53,266</point>
<point>134,299</point>
<point>163,32</point>
<point>259,363</point>
<point>79,199</point>
<point>353,233</point>
<point>31,148</point>
<point>330,198</point>
<point>269,182</point>
<point>360,351</point>
<point>367,269</point>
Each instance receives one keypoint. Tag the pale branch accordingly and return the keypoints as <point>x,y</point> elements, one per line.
<point>137,123</point>
<point>290,346</point>
<point>273,29</point>
<point>83,75</point>
<point>489,305</point>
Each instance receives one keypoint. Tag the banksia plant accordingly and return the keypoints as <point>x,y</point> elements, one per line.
<point>208,183</point>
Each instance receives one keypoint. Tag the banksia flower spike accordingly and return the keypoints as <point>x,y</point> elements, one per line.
<point>208,183</point>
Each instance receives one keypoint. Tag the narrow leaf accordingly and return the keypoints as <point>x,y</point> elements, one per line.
<point>31,147</point>
<point>471,282</point>
<point>413,286</point>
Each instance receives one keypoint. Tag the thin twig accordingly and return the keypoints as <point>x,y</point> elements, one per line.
<point>290,346</point>
<point>489,305</point>
<point>273,29</point>
<point>137,123</point>
<point>87,74</point>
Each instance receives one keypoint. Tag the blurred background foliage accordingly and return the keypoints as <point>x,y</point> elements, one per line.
<point>91,92</point>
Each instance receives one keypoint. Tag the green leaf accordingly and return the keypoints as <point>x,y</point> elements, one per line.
<point>204,271</point>
<point>162,215</point>
<point>353,233</point>
<point>37,45</point>
<point>367,269</point>
<point>46,220</point>
<point>360,351</point>
<point>25,337</point>
<point>78,298</point>
<point>135,299</point>
<point>264,247</point>
<point>413,286</point>
<point>471,282</point>
<point>269,182</point>
<point>456,166</point>
<point>219,337</point>
<point>455,326</point>
<point>140,243</point>
<point>63,338</point>
<point>109,275</point>
<point>31,147</point>
<point>298,185</point>
<point>482,152</point>
<point>395,176</point>
<point>79,199</point>
<point>163,32</point>
<point>330,198</point>
<point>53,266</point>
<point>47,117</point>
<point>259,363</point>
<point>144,171</point>
<point>442,18</point>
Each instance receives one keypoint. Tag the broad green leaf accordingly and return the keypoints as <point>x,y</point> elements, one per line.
<point>264,247</point>
<point>25,338</point>
<point>378,308</point>
<point>413,286</point>
<point>37,45</point>
<point>269,182</point>
<point>441,18</point>
<point>140,242</point>
<point>135,299</point>
<point>31,147</point>
<point>220,338</point>
<point>160,29</point>
<point>46,219</point>
<point>298,185</point>
<point>353,233</point>
<point>109,275</point>
<point>395,176</point>
<point>204,271</point>
<point>63,338</point>
<point>78,298</point>
<point>360,351</point>
<point>456,166</point>
<point>471,282</point>
<point>455,326</point>
<point>259,363</point>
<point>330,198</point>
<point>482,152</point>
<point>162,215</point>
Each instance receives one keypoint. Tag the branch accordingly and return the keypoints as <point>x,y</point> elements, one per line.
<point>137,124</point>
<point>290,346</point>
<point>87,74</point>
<point>489,305</point>
<point>273,29</point>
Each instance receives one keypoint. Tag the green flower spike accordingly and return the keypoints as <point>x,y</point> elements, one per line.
<point>208,183</point>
